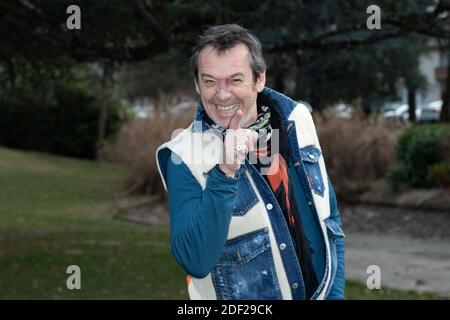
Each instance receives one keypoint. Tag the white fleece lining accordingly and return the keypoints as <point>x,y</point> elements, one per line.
<point>283,281</point>
<point>202,289</point>
<point>307,135</point>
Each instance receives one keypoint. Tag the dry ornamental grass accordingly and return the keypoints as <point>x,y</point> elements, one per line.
<point>356,151</point>
<point>136,146</point>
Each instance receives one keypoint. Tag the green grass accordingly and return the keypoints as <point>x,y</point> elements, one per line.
<point>57,212</point>
<point>357,290</point>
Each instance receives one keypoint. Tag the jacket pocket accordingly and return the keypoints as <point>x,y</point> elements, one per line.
<point>246,270</point>
<point>310,156</point>
<point>246,197</point>
<point>334,232</point>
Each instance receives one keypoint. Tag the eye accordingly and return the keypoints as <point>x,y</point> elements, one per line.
<point>208,82</point>
<point>237,80</point>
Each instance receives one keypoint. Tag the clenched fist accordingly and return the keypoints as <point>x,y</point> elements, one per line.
<point>237,144</point>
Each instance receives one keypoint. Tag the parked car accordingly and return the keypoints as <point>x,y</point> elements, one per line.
<point>388,106</point>
<point>401,113</point>
<point>344,110</point>
<point>143,111</point>
<point>431,112</point>
<point>341,110</point>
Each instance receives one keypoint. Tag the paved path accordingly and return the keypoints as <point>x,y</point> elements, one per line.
<point>405,263</point>
<point>412,248</point>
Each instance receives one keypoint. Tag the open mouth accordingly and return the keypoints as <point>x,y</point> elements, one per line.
<point>227,108</point>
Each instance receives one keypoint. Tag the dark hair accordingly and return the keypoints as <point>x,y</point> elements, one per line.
<point>225,37</point>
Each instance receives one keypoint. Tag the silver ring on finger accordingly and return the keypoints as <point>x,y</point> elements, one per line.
<point>240,147</point>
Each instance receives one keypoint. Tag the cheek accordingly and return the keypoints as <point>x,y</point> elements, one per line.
<point>206,98</point>
<point>249,98</point>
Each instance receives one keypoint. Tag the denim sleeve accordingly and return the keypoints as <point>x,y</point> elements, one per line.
<point>199,219</point>
<point>338,287</point>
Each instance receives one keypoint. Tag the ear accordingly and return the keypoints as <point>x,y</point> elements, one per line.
<point>261,81</point>
<point>196,86</point>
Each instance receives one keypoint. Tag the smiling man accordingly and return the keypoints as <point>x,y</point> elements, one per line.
<point>259,218</point>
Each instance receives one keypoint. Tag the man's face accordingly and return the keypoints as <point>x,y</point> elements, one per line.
<point>226,84</point>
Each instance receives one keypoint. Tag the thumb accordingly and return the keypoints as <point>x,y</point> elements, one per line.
<point>235,122</point>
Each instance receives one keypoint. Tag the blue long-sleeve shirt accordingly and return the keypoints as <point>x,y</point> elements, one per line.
<point>199,218</point>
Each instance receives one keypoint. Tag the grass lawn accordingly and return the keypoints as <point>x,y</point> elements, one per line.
<point>57,212</point>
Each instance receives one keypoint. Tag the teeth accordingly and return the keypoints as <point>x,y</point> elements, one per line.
<point>227,108</point>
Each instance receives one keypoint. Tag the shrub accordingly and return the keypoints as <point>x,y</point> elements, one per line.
<point>65,123</point>
<point>439,175</point>
<point>419,149</point>
<point>396,175</point>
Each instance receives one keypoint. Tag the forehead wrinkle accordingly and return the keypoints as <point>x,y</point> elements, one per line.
<point>237,59</point>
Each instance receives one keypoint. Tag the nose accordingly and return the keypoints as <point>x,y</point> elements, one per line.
<point>223,92</point>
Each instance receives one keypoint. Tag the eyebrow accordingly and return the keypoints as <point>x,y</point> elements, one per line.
<point>232,76</point>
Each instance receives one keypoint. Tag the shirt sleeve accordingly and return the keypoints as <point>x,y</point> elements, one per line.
<point>199,219</point>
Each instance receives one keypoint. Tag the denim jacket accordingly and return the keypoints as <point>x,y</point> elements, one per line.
<point>229,234</point>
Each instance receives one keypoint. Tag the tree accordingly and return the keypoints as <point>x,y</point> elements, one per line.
<point>335,57</point>
<point>430,19</point>
<point>307,36</point>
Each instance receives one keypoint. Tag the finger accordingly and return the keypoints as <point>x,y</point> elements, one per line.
<point>241,155</point>
<point>241,148</point>
<point>250,139</point>
<point>235,137</point>
<point>255,136</point>
<point>235,122</point>
<point>253,139</point>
